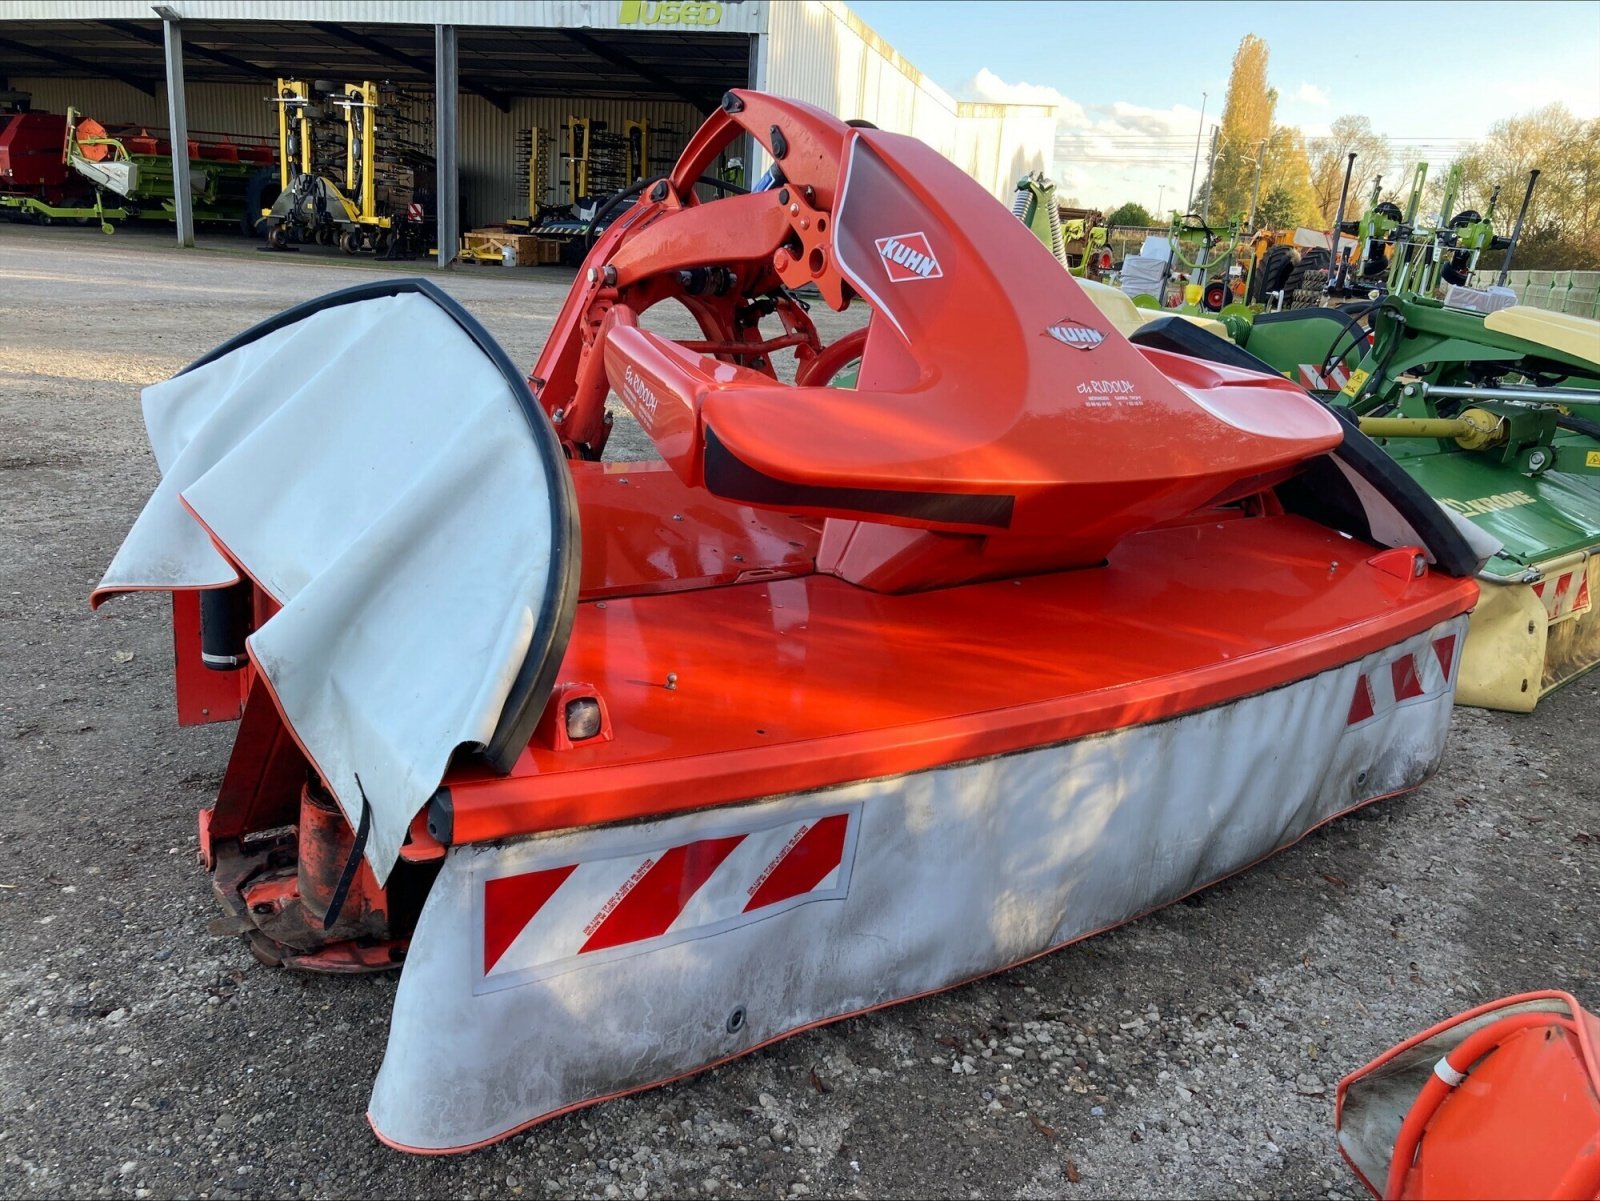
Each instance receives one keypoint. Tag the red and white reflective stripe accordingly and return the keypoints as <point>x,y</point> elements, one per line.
<point>413,212</point>
<point>541,919</point>
<point>1416,675</point>
<point>1316,381</point>
<point>1565,595</point>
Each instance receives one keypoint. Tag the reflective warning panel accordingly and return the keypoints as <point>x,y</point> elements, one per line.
<point>1414,676</point>
<point>540,923</point>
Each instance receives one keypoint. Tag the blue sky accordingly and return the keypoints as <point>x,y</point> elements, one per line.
<point>1431,76</point>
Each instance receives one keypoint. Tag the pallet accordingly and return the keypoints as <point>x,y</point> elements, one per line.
<point>507,248</point>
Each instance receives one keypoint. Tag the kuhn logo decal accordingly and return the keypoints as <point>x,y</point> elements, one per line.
<point>908,257</point>
<point>1070,333</point>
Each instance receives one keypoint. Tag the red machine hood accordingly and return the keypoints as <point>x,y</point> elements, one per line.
<point>993,399</point>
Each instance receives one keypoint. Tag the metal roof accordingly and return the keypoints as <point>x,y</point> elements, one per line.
<point>496,63</point>
<point>727,16</point>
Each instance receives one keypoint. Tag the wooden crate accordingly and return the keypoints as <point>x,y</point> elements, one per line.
<point>511,249</point>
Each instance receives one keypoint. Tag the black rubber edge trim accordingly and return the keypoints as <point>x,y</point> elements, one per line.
<point>530,690</point>
<point>1440,538</point>
<point>1451,552</point>
<point>346,877</point>
<point>442,816</point>
<point>1317,314</point>
<point>728,476</point>
<point>1178,336</point>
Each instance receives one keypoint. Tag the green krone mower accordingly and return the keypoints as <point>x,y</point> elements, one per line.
<point>1493,408</point>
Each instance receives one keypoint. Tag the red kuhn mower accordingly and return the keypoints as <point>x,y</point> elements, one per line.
<point>991,630</point>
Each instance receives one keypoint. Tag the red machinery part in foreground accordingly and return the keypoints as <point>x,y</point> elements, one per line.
<point>858,694</point>
<point>1500,1101</point>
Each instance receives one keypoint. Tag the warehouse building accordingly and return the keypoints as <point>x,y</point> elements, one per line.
<point>499,88</point>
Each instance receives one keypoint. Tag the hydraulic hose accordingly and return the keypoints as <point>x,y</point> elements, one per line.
<point>1448,1073</point>
<point>615,201</point>
<point>1355,331</point>
<point>1579,425</point>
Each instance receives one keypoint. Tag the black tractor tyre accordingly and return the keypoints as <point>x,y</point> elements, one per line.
<point>277,237</point>
<point>1309,295</point>
<point>1311,262</point>
<point>1275,268</point>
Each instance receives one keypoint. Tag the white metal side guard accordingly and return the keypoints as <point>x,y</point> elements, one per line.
<point>563,969</point>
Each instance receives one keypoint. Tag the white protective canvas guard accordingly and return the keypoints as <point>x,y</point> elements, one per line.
<point>374,463</point>
<point>515,1005</point>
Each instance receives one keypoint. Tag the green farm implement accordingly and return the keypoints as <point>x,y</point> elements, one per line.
<point>1077,237</point>
<point>129,176</point>
<point>1495,411</point>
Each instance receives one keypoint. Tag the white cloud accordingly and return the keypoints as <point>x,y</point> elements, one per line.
<point>1108,153</point>
<point>1312,94</point>
<point>1524,95</point>
<point>990,88</point>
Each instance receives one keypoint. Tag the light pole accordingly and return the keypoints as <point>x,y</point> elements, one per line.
<point>1211,171</point>
<point>1255,191</point>
<point>1160,192</point>
<point>1189,204</point>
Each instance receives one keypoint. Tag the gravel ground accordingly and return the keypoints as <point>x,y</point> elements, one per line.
<point>1192,1053</point>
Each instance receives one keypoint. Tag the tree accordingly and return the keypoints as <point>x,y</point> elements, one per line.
<point>1277,210</point>
<point>1287,170</point>
<point>1328,156</point>
<point>1246,126</point>
<point>1563,224</point>
<point>1131,214</point>
<point>1247,137</point>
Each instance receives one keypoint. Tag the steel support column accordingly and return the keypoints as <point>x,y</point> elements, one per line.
<point>446,92</point>
<point>755,158</point>
<point>178,128</point>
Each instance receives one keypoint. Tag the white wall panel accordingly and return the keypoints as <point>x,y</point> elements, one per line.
<point>997,144</point>
<point>820,52</point>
